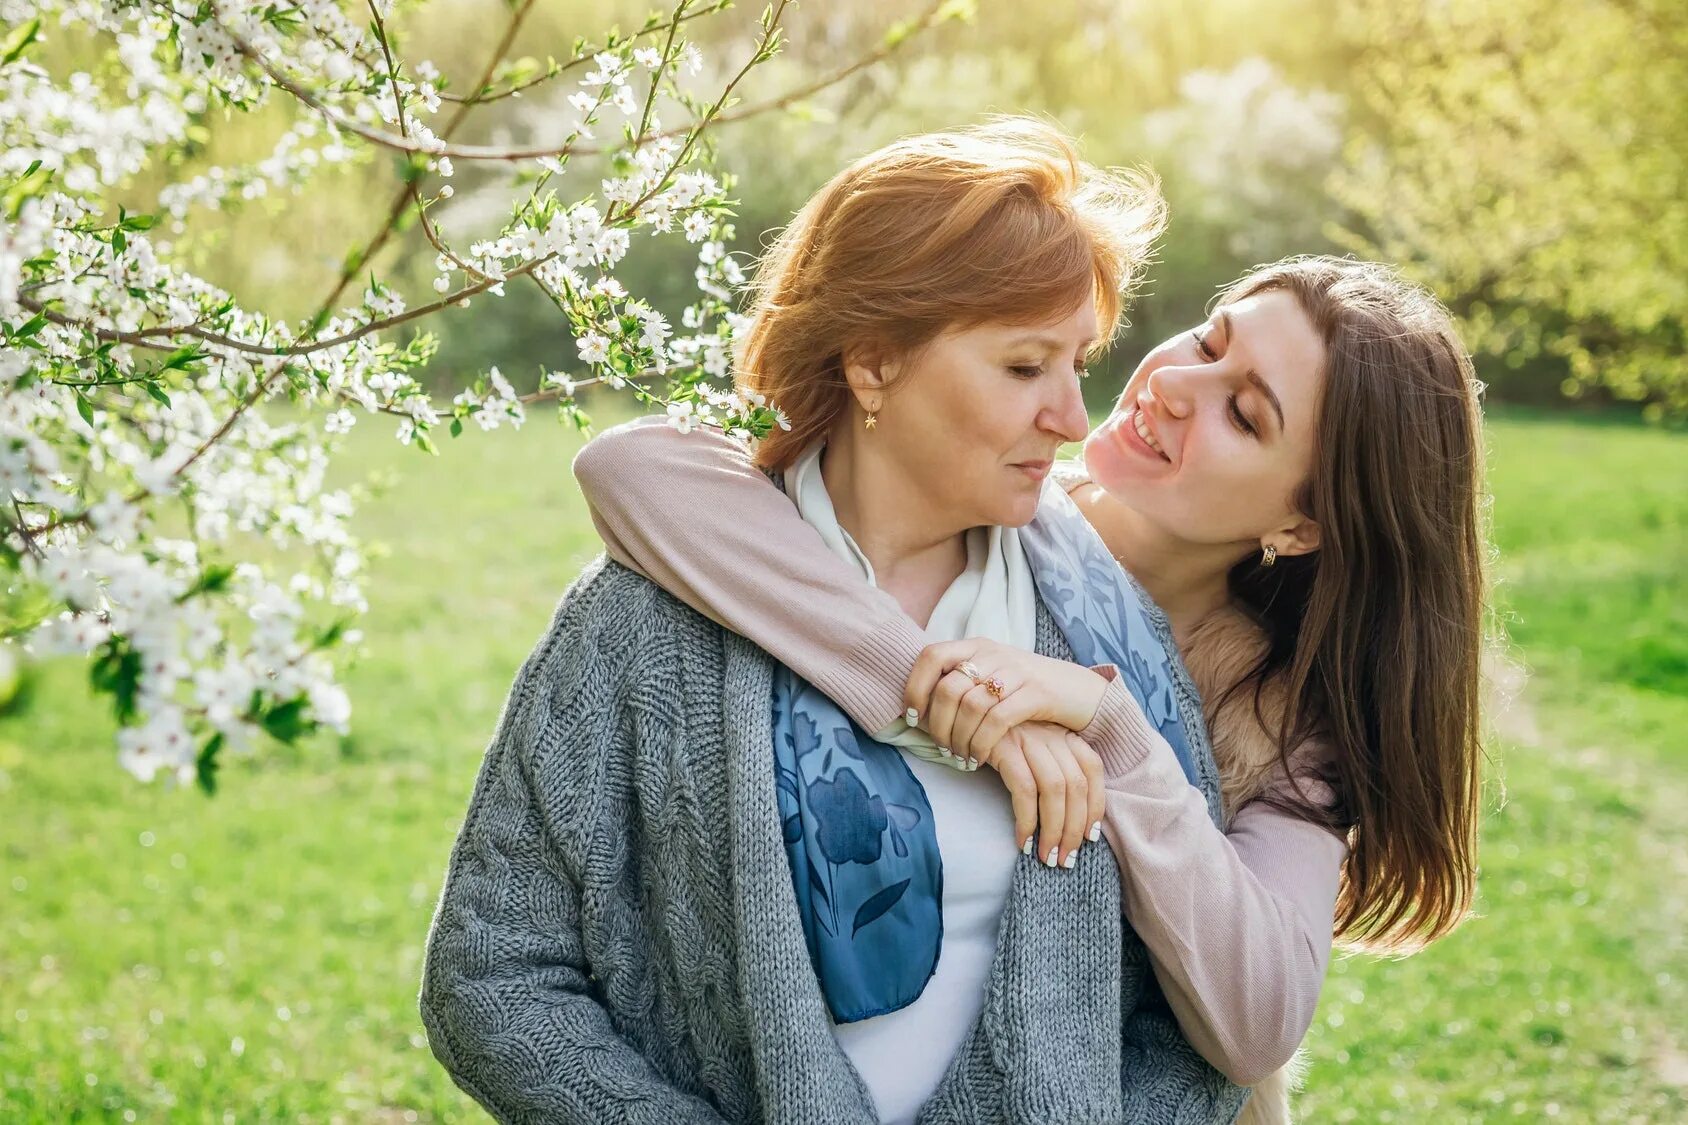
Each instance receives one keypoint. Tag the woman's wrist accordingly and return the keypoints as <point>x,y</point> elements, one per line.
<point>1089,687</point>
<point>1118,731</point>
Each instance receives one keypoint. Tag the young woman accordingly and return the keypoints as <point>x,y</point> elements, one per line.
<point>688,887</point>
<point>1296,483</point>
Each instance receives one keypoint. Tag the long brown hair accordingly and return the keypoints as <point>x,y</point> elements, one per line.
<point>998,222</point>
<point>1376,638</point>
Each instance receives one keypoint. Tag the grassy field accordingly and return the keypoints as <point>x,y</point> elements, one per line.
<point>255,956</point>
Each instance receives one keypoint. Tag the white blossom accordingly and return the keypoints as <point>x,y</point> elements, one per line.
<point>681,416</point>
<point>593,347</point>
<point>696,226</point>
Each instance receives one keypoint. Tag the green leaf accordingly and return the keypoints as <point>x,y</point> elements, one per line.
<point>332,633</point>
<point>205,766</point>
<point>30,327</point>
<point>18,41</point>
<point>287,721</point>
<point>84,409</point>
<point>25,187</point>
<point>157,392</point>
<point>117,670</point>
<point>211,579</point>
<point>184,357</point>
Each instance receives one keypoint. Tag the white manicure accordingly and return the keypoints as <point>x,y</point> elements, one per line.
<point>912,716</point>
<point>1027,849</point>
<point>1095,832</point>
<point>1053,853</point>
<point>1070,861</point>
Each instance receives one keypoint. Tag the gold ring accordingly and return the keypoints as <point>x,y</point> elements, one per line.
<point>970,670</point>
<point>995,686</point>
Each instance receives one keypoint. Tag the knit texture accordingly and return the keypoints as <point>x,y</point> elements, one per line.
<point>618,941</point>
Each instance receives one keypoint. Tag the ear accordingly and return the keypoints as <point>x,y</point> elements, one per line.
<point>1298,538</point>
<point>868,376</point>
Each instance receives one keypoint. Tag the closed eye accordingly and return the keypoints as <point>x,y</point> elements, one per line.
<point>1202,347</point>
<point>1025,371</point>
<point>1238,418</point>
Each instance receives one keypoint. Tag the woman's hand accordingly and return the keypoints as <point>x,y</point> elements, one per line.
<point>1055,781</point>
<point>963,715</point>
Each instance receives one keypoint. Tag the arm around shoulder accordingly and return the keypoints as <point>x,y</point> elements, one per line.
<point>695,515</point>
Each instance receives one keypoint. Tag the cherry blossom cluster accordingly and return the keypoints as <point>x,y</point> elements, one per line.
<point>144,480</point>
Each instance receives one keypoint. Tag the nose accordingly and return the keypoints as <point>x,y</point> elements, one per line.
<point>1066,417</point>
<point>1173,387</point>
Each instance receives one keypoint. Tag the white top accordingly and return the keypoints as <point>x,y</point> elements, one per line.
<point>903,1055</point>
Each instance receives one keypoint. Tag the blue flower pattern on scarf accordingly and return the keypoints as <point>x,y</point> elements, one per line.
<point>857,825</point>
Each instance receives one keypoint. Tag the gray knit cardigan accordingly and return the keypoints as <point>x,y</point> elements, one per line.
<point>618,940</point>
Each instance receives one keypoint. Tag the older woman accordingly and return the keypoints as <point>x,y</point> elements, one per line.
<point>689,887</point>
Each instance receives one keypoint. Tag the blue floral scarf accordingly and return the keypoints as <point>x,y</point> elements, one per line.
<point>858,827</point>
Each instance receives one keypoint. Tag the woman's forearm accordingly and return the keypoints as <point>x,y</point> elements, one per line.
<point>694,515</point>
<point>1238,924</point>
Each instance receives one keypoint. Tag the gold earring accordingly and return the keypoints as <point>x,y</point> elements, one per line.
<point>872,418</point>
<point>1268,555</point>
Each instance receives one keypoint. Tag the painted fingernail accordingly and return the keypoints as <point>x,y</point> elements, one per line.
<point>912,716</point>
<point>1095,832</point>
<point>944,750</point>
<point>1053,853</point>
<point>1026,849</point>
<point>972,763</point>
<point>1071,861</point>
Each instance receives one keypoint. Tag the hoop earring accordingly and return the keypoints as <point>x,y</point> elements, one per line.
<point>1268,555</point>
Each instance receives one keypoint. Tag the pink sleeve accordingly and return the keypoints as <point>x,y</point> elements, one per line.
<point>1238,924</point>
<point>694,515</point>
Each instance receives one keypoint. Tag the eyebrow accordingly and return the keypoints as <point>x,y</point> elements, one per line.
<point>1253,376</point>
<point>1047,342</point>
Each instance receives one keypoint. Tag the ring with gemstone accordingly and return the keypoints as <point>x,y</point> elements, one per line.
<point>970,670</point>
<point>995,686</point>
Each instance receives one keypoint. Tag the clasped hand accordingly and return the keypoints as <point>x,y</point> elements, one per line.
<point>1026,734</point>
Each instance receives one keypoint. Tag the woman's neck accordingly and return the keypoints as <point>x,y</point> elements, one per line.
<point>915,552</point>
<point>1187,580</point>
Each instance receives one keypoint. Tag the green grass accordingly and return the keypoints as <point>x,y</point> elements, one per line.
<point>147,933</point>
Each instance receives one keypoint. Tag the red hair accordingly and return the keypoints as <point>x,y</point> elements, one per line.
<point>1001,222</point>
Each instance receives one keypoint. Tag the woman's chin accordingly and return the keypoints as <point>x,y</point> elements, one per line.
<point>1019,511</point>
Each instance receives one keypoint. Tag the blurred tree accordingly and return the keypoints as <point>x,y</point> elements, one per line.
<point>1526,158</point>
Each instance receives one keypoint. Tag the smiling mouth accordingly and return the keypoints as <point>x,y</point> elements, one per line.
<point>1149,439</point>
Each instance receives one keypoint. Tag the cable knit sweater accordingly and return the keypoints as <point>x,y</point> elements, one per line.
<point>618,941</point>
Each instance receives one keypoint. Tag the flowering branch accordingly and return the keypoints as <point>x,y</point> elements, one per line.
<point>128,384</point>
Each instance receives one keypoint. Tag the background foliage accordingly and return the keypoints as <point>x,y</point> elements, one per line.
<point>1525,159</point>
